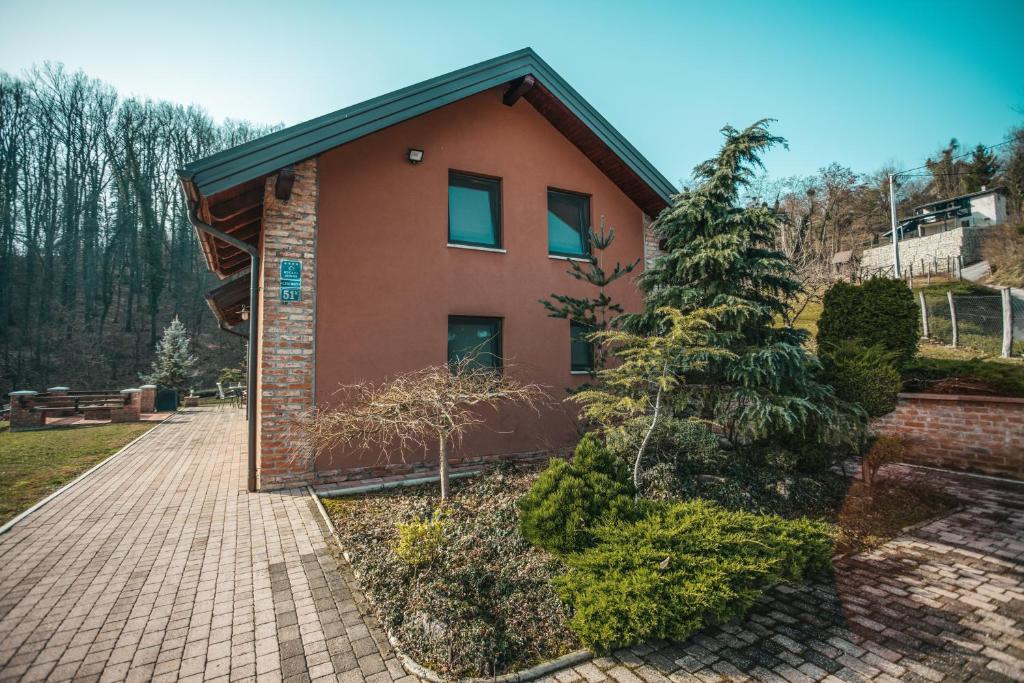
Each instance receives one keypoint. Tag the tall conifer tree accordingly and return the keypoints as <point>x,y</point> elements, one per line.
<point>720,255</point>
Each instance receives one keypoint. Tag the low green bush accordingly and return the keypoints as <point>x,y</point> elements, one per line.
<point>682,567</point>
<point>686,445</point>
<point>419,541</point>
<point>562,507</point>
<point>878,312</point>
<point>1006,379</point>
<point>865,375</point>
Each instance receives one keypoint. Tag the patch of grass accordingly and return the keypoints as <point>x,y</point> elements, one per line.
<point>958,287</point>
<point>34,464</point>
<point>808,318</point>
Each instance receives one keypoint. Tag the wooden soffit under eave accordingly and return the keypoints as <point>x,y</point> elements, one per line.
<point>229,299</point>
<point>237,211</point>
<point>602,156</point>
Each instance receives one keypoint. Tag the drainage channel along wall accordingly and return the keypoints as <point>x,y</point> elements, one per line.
<point>975,433</point>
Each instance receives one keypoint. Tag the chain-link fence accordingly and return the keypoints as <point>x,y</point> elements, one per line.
<point>974,321</point>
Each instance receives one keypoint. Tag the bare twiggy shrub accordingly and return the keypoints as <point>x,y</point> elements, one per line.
<point>414,409</point>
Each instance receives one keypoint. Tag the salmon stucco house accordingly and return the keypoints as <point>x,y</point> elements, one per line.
<point>390,235</point>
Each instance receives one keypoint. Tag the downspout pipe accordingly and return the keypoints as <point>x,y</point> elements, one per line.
<point>254,300</point>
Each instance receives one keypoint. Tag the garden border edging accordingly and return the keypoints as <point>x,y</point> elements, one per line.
<point>415,668</point>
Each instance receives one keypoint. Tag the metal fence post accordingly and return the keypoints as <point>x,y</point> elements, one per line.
<point>924,314</point>
<point>1007,323</point>
<point>959,267</point>
<point>952,318</point>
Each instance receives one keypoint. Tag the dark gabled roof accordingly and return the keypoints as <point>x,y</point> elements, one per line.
<point>969,195</point>
<point>229,184</point>
<point>251,160</point>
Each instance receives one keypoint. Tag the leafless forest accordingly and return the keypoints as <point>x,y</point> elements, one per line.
<point>96,252</point>
<point>97,255</point>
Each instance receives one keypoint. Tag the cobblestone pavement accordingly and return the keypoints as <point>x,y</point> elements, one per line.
<point>942,603</point>
<point>160,566</point>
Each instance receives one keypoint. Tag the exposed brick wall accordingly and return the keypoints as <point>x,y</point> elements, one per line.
<point>976,433</point>
<point>419,468</point>
<point>651,250</point>
<point>286,347</point>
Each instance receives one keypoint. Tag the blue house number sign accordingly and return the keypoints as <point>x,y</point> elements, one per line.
<point>291,280</point>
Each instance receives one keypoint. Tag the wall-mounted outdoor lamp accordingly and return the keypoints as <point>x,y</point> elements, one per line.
<point>415,155</point>
<point>243,313</point>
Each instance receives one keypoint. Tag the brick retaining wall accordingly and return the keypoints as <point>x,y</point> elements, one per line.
<point>976,433</point>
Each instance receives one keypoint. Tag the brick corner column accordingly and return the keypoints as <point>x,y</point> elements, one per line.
<point>130,411</point>
<point>22,416</point>
<point>651,250</point>
<point>147,396</point>
<point>287,329</point>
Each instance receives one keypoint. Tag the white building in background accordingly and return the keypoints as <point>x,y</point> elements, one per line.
<point>975,210</point>
<point>941,233</point>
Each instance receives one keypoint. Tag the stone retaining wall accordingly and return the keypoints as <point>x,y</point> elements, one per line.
<point>976,433</point>
<point>965,242</point>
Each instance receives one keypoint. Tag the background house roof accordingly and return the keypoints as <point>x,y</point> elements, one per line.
<point>229,185</point>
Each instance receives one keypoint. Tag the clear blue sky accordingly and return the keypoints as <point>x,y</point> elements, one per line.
<point>864,83</point>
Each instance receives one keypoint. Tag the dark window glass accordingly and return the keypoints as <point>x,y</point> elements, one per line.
<point>478,338</point>
<point>582,350</point>
<point>568,224</point>
<point>474,210</point>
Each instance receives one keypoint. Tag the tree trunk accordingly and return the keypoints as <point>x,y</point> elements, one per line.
<point>643,444</point>
<point>443,462</point>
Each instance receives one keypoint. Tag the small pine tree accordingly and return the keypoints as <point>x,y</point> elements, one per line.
<point>596,313</point>
<point>720,256</point>
<point>174,365</point>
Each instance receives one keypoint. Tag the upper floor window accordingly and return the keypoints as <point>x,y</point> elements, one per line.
<point>568,224</point>
<point>474,210</point>
<point>476,338</point>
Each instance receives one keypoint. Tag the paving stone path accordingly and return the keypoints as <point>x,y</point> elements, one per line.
<point>160,566</point>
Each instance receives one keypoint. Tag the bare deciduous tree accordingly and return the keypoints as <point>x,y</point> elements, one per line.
<point>414,409</point>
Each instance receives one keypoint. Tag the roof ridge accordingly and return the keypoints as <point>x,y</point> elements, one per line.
<point>248,161</point>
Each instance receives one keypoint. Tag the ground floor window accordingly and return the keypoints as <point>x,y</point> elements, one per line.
<point>582,350</point>
<point>474,337</point>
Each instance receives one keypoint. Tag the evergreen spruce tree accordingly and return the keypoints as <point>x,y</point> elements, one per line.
<point>720,257</point>
<point>174,365</point>
<point>982,169</point>
<point>597,313</point>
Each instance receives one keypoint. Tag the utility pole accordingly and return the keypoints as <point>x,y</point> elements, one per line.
<point>896,271</point>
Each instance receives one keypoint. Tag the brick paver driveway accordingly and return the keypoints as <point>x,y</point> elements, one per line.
<point>161,566</point>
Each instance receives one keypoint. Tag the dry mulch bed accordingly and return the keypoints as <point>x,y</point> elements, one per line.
<point>483,604</point>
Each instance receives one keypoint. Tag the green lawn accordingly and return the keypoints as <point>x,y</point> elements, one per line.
<point>34,464</point>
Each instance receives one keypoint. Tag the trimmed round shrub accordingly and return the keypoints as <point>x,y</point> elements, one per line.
<point>879,312</point>
<point>567,501</point>
<point>866,375</point>
<point>681,568</point>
